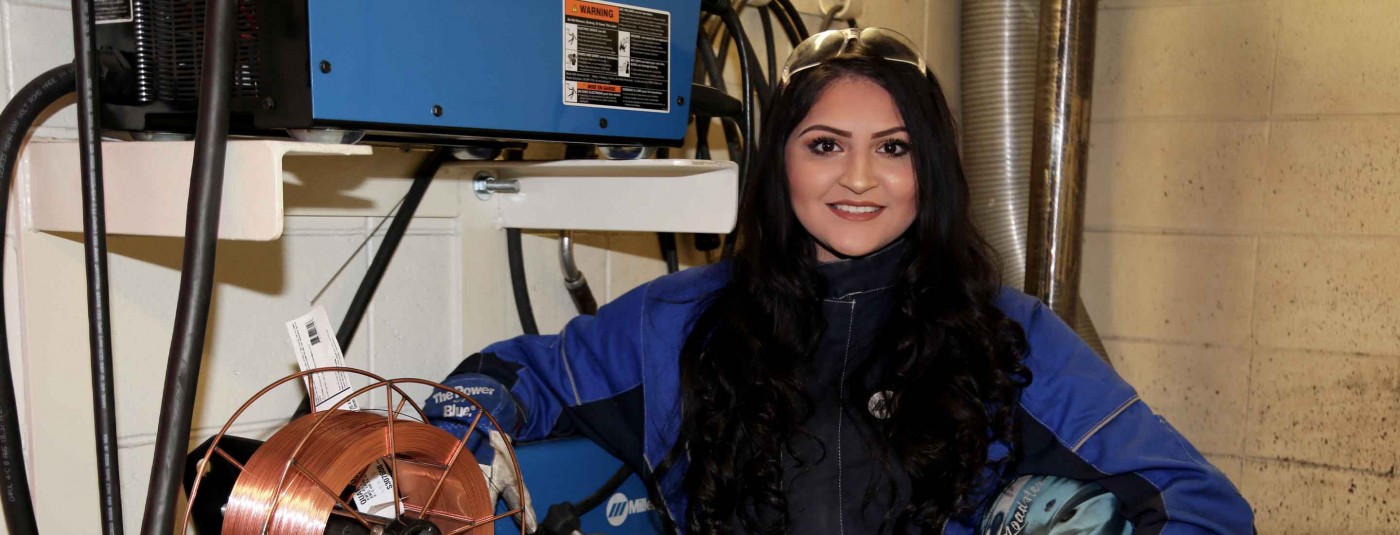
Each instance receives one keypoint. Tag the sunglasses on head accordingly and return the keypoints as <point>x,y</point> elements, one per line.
<point>831,44</point>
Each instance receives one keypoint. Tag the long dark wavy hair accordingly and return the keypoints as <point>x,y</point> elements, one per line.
<point>954,360</point>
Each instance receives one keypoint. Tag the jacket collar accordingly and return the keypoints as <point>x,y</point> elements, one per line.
<point>875,271</point>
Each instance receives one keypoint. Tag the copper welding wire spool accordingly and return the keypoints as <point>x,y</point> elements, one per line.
<point>302,475</point>
<point>311,462</point>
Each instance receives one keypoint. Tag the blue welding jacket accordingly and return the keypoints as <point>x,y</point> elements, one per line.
<point>614,377</point>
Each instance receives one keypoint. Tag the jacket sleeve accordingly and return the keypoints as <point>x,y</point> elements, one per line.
<point>585,380</point>
<point>1081,420</point>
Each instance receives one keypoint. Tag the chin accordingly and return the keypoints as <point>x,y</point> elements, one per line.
<point>855,248</point>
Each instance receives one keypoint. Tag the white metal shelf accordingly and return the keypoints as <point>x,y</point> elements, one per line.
<point>147,184</point>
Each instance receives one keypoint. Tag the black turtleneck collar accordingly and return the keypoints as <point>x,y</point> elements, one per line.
<point>874,271</point>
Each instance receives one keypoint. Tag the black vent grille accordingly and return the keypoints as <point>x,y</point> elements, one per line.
<point>170,46</point>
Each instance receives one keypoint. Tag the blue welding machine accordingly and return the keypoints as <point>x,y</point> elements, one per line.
<point>432,71</point>
<point>567,470</point>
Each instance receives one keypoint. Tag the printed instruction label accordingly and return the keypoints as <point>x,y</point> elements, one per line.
<point>313,340</point>
<point>616,56</point>
<point>113,11</point>
<point>374,490</point>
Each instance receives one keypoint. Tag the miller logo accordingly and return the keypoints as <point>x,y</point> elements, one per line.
<point>619,508</point>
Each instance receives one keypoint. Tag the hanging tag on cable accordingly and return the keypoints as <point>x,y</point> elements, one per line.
<point>313,340</point>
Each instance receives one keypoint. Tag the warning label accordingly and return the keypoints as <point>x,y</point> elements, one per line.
<point>112,11</point>
<point>616,56</point>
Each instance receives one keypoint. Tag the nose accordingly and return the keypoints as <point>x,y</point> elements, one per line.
<point>859,177</point>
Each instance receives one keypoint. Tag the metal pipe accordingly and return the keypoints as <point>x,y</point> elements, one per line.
<point>998,88</point>
<point>1059,152</point>
<point>999,58</point>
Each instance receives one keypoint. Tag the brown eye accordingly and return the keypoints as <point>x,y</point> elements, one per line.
<point>895,147</point>
<point>823,146</point>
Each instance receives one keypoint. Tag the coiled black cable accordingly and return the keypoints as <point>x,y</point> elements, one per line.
<point>19,115</point>
<point>736,29</point>
<point>765,17</point>
<point>795,17</point>
<point>197,272</point>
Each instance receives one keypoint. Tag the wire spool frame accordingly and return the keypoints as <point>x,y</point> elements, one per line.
<point>297,480</point>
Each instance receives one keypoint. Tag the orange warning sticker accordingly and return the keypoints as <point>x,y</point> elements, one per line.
<point>584,86</point>
<point>590,10</point>
<point>616,56</point>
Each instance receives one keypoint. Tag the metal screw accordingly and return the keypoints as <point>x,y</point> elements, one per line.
<point>325,66</point>
<point>603,123</point>
<point>269,103</point>
<point>437,110</point>
<point>680,101</point>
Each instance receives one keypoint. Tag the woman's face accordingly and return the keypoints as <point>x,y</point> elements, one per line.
<point>849,170</point>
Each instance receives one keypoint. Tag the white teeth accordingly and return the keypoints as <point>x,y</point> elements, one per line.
<point>856,209</point>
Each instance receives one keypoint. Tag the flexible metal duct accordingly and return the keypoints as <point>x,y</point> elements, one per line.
<point>1000,49</point>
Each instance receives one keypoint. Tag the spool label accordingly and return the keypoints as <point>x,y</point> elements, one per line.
<point>374,490</point>
<point>616,56</point>
<point>313,341</point>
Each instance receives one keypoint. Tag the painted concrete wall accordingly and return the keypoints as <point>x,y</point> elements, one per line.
<point>1242,239</point>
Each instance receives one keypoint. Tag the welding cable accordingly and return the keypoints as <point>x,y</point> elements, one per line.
<point>197,272</point>
<point>764,16</point>
<point>667,241</point>
<point>760,83</point>
<point>795,17</point>
<point>15,121</point>
<point>398,226</point>
<point>786,25</point>
<point>104,403</point>
<point>731,21</point>
<point>384,254</point>
<point>515,257</point>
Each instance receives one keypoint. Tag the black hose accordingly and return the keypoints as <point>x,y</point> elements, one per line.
<point>19,115</point>
<point>702,126</point>
<point>795,17</point>
<point>788,27</point>
<point>761,85</point>
<point>422,178</point>
<point>197,272</point>
<point>592,501</point>
<point>667,241</point>
<point>384,254</point>
<point>731,21</point>
<point>104,403</point>
<point>763,15</point>
<point>516,258</point>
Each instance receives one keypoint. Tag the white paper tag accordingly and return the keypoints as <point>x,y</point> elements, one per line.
<point>375,491</point>
<point>313,340</point>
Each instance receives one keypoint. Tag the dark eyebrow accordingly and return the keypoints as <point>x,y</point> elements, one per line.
<point>884,133</point>
<point>836,131</point>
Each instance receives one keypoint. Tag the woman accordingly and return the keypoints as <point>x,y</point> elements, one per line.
<point>856,368</point>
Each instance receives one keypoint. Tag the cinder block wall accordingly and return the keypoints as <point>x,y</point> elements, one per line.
<point>1243,237</point>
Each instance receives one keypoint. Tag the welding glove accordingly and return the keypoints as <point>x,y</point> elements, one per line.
<point>1047,505</point>
<point>488,444</point>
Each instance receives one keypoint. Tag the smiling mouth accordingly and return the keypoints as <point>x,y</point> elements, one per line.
<point>856,212</point>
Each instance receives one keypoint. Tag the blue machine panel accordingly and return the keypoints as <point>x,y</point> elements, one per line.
<point>498,67</point>
<point>568,470</point>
